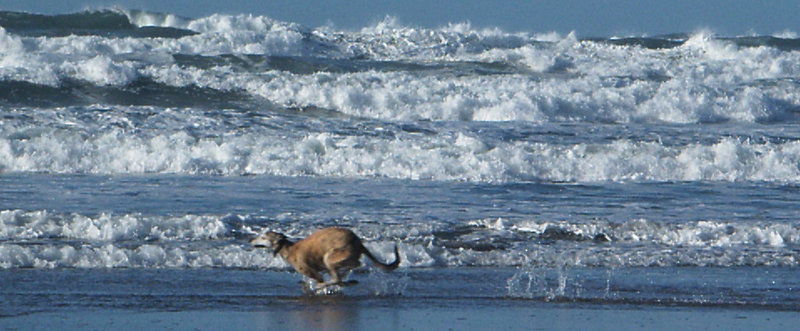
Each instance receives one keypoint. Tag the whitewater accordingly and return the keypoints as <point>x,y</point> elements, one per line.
<point>141,141</point>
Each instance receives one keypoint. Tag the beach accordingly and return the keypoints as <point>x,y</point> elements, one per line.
<point>427,316</point>
<point>154,302</point>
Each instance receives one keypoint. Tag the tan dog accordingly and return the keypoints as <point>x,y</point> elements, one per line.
<point>335,250</point>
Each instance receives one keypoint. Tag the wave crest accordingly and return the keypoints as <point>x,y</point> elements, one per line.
<point>40,239</point>
<point>401,155</point>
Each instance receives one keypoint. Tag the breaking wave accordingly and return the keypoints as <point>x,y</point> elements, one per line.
<point>394,72</point>
<point>39,239</point>
<point>398,154</point>
<point>243,94</point>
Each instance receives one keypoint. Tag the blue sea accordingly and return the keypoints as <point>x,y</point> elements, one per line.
<point>140,152</point>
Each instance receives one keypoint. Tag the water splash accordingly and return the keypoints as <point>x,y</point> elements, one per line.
<point>538,282</point>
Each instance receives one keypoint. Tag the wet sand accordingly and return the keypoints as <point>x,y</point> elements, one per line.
<point>436,299</point>
<point>410,314</point>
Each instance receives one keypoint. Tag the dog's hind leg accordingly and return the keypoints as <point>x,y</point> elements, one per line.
<point>339,262</point>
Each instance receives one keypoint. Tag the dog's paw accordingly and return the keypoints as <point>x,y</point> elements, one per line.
<point>329,290</point>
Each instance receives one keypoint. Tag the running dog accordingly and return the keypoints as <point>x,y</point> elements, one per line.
<point>333,250</point>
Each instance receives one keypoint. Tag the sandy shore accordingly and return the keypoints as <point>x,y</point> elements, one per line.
<point>436,299</point>
<point>409,314</point>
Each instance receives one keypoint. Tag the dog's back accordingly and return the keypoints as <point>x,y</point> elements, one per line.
<point>326,240</point>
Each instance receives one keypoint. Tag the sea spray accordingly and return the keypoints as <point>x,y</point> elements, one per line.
<point>386,284</point>
<point>541,282</point>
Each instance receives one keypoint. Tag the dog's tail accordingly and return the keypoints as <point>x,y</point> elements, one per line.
<point>384,266</point>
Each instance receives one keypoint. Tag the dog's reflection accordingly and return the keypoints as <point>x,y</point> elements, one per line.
<point>329,313</point>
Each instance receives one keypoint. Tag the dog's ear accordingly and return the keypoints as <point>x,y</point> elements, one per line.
<point>275,237</point>
<point>278,241</point>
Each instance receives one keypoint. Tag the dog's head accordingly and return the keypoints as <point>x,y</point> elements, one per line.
<point>272,240</point>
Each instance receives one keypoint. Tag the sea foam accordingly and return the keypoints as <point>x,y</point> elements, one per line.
<point>447,156</point>
<point>391,74</point>
<point>704,80</point>
<point>39,239</point>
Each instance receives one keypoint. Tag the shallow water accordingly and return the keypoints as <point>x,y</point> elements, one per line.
<point>605,244</point>
<point>150,290</point>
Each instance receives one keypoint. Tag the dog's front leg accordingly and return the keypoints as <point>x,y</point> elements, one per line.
<point>305,270</point>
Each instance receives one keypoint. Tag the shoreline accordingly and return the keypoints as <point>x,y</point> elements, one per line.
<point>392,313</point>
<point>434,299</point>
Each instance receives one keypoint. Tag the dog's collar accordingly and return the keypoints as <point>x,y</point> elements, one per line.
<point>281,244</point>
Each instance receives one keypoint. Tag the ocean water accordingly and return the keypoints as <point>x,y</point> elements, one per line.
<point>139,152</point>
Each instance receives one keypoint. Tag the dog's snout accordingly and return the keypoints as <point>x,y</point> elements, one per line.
<point>260,242</point>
